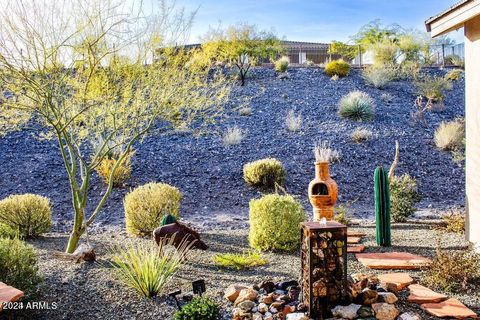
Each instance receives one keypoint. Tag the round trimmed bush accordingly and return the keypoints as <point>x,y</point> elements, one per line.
<point>18,265</point>
<point>337,67</point>
<point>403,197</point>
<point>275,222</point>
<point>28,214</point>
<point>146,206</point>
<point>357,105</point>
<point>264,173</point>
<point>281,65</point>
<point>200,308</point>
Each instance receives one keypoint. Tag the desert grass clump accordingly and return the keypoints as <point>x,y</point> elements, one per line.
<point>339,68</point>
<point>357,105</point>
<point>245,111</point>
<point>361,135</point>
<point>29,214</point>
<point>433,88</point>
<point>200,308</point>
<point>233,135</point>
<point>386,97</point>
<point>454,75</point>
<point>309,63</point>
<point>449,135</point>
<point>453,222</point>
<point>123,168</point>
<point>275,222</point>
<point>146,267</point>
<point>454,271</point>
<point>325,153</point>
<point>265,173</point>
<point>335,78</point>
<point>281,65</point>
<point>146,206</point>
<point>293,121</point>
<point>245,260</point>
<point>379,75</point>
<point>18,265</point>
<point>403,197</point>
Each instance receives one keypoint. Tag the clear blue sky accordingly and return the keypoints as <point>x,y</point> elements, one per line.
<point>313,20</point>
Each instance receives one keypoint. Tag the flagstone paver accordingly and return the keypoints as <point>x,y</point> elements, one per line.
<point>354,240</point>
<point>393,260</point>
<point>451,308</point>
<point>356,249</point>
<point>8,294</point>
<point>401,279</point>
<point>420,294</point>
<point>351,233</point>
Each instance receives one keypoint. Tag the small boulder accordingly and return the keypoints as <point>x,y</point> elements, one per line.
<point>268,299</point>
<point>294,293</point>
<point>246,294</point>
<point>385,311</point>
<point>365,312</point>
<point>232,292</point>
<point>387,297</point>
<point>268,286</point>
<point>409,316</point>
<point>180,233</point>
<point>262,308</point>
<point>346,312</point>
<point>367,297</point>
<point>246,305</point>
<point>284,285</point>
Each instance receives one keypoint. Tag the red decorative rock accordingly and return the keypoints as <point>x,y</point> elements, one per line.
<point>393,260</point>
<point>355,249</point>
<point>400,279</point>
<point>352,233</point>
<point>8,294</point>
<point>420,294</point>
<point>353,240</point>
<point>232,292</point>
<point>451,308</point>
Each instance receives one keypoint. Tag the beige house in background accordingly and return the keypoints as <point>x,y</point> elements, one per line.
<point>466,14</point>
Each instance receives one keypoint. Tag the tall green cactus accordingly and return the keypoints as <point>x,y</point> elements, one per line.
<point>382,207</point>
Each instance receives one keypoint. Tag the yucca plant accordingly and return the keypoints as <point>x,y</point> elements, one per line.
<point>147,268</point>
<point>357,105</point>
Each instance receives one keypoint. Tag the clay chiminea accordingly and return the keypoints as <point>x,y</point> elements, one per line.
<point>322,192</point>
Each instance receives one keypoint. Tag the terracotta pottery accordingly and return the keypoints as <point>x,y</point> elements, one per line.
<point>322,192</point>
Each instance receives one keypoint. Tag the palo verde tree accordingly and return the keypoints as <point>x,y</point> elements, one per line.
<point>242,46</point>
<point>346,51</point>
<point>91,73</point>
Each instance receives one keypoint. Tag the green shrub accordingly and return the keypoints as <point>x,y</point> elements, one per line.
<point>30,214</point>
<point>454,75</point>
<point>264,173</point>
<point>450,135</point>
<point>403,197</point>
<point>245,260</point>
<point>385,52</point>
<point>200,308</point>
<point>454,60</point>
<point>281,65</point>
<point>146,267</point>
<point>454,271</point>
<point>357,105</point>
<point>339,68</point>
<point>342,214</point>
<point>433,88</point>
<point>7,232</point>
<point>275,222</point>
<point>379,75</point>
<point>18,265</point>
<point>121,174</point>
<point>146,206</point>
<point>408,70</point>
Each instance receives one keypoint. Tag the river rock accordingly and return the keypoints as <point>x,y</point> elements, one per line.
<point>262,307</point>
<point>346,312</point>
<point>284,285</point>
<point>385,311</point>
<point>367,297</point>
<point>246,305</point>
<point>268,286</point>
<point>387,297</point>
<point>409,316</point>
<point>246,294</point>
<point>232,292</point>
<point>365,312</point>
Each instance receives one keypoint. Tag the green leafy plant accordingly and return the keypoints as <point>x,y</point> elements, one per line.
<point>281,65</point>
<point>385,52</point>
<point>342,214</point>
<point>357,105</point>
<point>7,232</point>
<point>404,195</point>
<point>433,88</point>
<point>146,267</point>
<point>454,271</point>
<point>146,206</point>
<point>200,308</point>
<point>379,75</point>
<point>339,68</point>
<point>245,260</point>
<point>346,51</point>
<point>30,214</point>
<point>450,135</point>
<point>264,173</point>
<point>454,75</point>
<point>275,222</point>
<point>18,265</point>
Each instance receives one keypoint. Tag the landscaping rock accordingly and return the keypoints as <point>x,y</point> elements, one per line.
<point>385,311</point>
<point>346,312</point>
<point>268,286</point>
<point>365,312</point>
<point>284,285</point>
<point>267,299</point>
<point>246,305</point>
<point>356,249</point>
<point>180,232</point>
<point>451,308</point>
<point>296,316</point>
<point>232,292</point>
<point>393,260</point>
<point>409,316</point>
<point>400,279</point>
<point>367,297</point>
<point>420,294</point>
<point>387,297</point>
<point>262,308</point>
<point>246,294</point>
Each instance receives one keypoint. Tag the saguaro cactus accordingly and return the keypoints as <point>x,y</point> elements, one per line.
<point>382,207</point>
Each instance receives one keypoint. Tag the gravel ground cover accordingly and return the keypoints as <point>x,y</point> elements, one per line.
<point>90,290</point>
<point>210,175</point>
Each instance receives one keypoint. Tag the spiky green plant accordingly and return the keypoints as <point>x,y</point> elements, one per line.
<point>239,261</point>
<point>356,105</point>
<point>382,207</point>
<point>147,268</point>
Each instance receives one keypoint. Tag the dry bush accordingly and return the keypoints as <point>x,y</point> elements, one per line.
<point>122,172</point>
<point>335,77</point>
<point>232,136</point>
<point>386,97</point>
<point>433,88</point>
<point>324,153</point>
<point>449,135</point>
<point>379,75</point>
<point>454,271</point>
<point>454,75</point>
<point>293,121</point>
<point>361,135</point>
<point>245,111</point>
<point>453,222</point>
